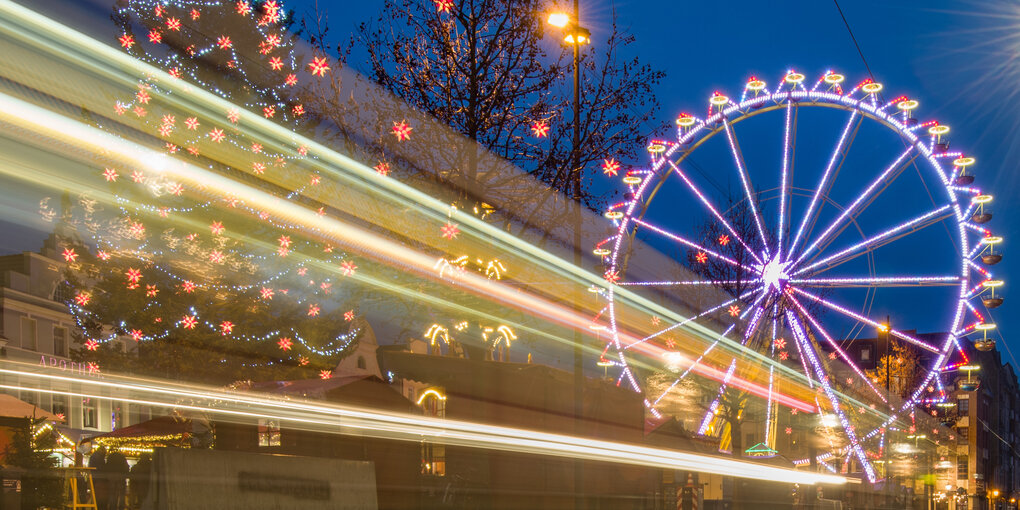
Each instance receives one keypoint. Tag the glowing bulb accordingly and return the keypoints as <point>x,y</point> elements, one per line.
<point>559,19</point>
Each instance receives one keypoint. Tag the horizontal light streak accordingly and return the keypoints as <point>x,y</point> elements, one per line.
<point>916,281</point>
<point>327,418</point>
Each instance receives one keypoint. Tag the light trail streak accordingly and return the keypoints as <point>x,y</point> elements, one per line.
<point>327,418</point>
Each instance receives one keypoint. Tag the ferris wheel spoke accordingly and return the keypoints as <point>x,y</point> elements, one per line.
<point>685,283</point>
<point>787,166</point>
<point>836,347</point>
<point>875,324</point>
<point>906,228</point>
<point>690,244</point>
<point>801,337</point>
<point>839,154</point>
<point>715,212</point>
<point>745,181</point>
<point>688,320</point>
<point>893,281</point>
<point>862,202</point>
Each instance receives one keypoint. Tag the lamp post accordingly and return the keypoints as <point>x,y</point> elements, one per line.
<point>575,35</point>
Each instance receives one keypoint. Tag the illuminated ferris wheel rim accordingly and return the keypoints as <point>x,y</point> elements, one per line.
<point>759,105</point>
<point>694,132</point>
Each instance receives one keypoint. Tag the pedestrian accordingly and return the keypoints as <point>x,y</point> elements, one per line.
<point>100,487</point>
<point>117,469</point>
<point>138,481</point>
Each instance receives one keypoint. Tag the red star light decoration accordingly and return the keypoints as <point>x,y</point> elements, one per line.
<point>313,310</point>
<point>285,343</point>
<point>610,167</point>
<point>70,255</point>
<point>133,275</point>
<point>348,268</point>
<point>191,123</point>
<point>216,257</point>
<point>450,231</point>
<point>91,345</point>
<point>216,228</point>
<point>402,131</point>
<point>82,298</point>
<point>724,239</point>
<point>127,41</point>
<point>733,310</point>
<point>779,343</point>
<point>243,8</point>
<point>173,24</point>
<point>155,36</point>
<point>298,110</point>
<point>151,291</point>
<point>233,116</point>
<point>832,355</point>
<point>224,42</point>
<point>266,293</point>
<point>110,175</point>
<point>701,257</point>
<point>226,327</point>
<point>104,256</point>
<point>318,66</point>
<point>302,360</point>
<point>349,315</point>
<point>136,335</point>
<point>783,355</point>
<point>290,80</point>
<point>444,5</point>
<point>383,168</point>
<point>540,129</point>
<point>137,177</point>
<point>612,276</point>
<point>189,322</point>
<point>325,374</point>
<point>216,135</point>
<point>188,286</point>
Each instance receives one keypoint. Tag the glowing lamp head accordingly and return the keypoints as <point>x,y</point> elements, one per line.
<point>985,326</point>
<point>559,19</point>
<point>982,199</point>
<point>579,36</point>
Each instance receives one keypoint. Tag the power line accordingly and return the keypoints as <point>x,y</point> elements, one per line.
<point>858,46</point>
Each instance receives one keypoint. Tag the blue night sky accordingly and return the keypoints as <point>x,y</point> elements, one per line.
<point>961,60</point>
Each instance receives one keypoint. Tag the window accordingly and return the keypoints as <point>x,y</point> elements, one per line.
<point>269,433</point>
<point>59,407</point>
<point>433,456</point>
<point>29,335</point>
<point>866,353</point>
<point>117,416</point>
<point>961,466</point>
<point>361,362</point>
<point>963,405</point>
<point>964,433</point>
<point>59,341</point>
<point>89,413</point>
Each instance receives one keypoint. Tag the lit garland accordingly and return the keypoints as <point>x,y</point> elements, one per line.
<point>244,53</point>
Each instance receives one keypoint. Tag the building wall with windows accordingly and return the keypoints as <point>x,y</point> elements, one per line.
<point>38,334</point>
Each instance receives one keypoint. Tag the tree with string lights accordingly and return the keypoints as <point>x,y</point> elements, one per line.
<point>199,284</point>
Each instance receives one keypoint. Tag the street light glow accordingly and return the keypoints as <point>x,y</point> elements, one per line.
<point>559,19</point>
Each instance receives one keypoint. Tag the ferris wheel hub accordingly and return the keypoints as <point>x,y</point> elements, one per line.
<point>775,273</point>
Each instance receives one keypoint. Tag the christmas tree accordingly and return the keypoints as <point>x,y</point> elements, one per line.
<point>208,287</point>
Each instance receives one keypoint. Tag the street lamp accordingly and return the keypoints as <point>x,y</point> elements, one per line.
<point>576,35</point>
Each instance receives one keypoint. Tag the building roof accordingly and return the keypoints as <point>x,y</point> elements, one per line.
<point>12,407</point>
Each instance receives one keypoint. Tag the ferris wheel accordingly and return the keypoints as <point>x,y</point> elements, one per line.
<point>809,253</point>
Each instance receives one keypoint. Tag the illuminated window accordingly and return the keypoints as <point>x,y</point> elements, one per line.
<point>433,456</point>
<point>59,405</point>
<point>963,405</point>
<point>269,433</point>
<point>865,353</point>
<point>89,413</point>
<point>961,466</point>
